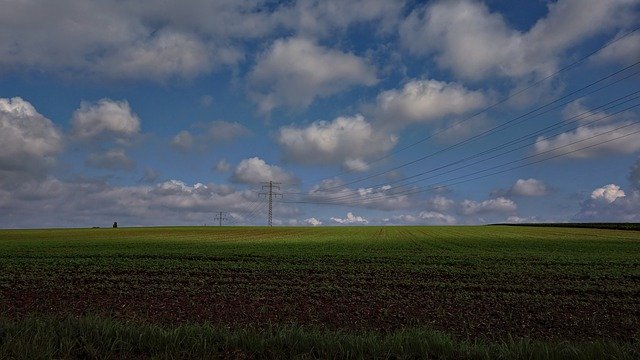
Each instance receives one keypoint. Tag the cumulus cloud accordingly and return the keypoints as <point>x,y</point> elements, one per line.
<point>51,202</point>
<point>525,187</point>
<point>106,116</point>
<point>514,219</point>
<point>402,219</point>
<point>350,219</point>
<point>440,203</point>
<point>317,18</point>
<point>578,111</point>
<point>426,101</point>
<point>592,141</point>
<point>114,159</point>
<point>29,142</point>
<point>163,54</point>
<point>214,132</point>
<point>608,193</point>
<point>333,191</point>
<point>437,218</point>
<point>127,40</point>
<point>313,221</point>
<point>255,170</point>
<point>346,140</point>
<point>294,72</point>
<point>161,41</point>
<point>626,50</point>
<point>497,205</point>
<point>529,187</point>
<point>474,43</point>
<point>610,203</point>
<point>183,141</point>
<point>599,133</point>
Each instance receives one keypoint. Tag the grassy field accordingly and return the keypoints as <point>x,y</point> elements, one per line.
<point>485,292</point>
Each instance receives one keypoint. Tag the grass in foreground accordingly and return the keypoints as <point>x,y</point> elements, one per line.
<point>96,338</point>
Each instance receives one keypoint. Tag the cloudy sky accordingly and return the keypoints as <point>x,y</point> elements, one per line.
<point>367,112</point>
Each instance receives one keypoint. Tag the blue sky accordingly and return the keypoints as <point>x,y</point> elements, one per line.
<point>368,112</point>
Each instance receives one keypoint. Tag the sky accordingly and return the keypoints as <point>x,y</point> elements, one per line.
<point>363,112</point>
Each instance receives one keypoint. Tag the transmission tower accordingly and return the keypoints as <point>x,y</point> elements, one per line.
<point>221,215</point>
<point>271,185</point>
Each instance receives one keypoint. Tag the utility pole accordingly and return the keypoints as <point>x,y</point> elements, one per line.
<point>221,216</point>
<point>271,185</point>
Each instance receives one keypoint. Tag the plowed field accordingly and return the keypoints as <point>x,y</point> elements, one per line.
<point>474,282</point>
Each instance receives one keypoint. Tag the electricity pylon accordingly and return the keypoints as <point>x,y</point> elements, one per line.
<point>271,185</point>
<point>221,216</point>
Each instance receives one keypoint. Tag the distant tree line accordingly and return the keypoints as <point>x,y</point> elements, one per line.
<point>612,226</point>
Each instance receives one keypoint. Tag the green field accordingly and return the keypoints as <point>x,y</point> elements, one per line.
<point>478,291</point>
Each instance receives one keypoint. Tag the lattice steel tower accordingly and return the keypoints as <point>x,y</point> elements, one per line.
<point>271,194</point>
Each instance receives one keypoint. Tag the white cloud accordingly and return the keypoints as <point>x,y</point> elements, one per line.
<point>578,111</point>
<point>626,50</point>
<point>114,159</point>
<point>403,219</point>
<point>610,203</point>
<point>29,142</point>
<point>434,217</point>
<point>158,41</point>
<point>106,116</point>
<point>255,170</point>
<point>319,17</point>
<point>355,165</point>
<point>350,219</point>
<point>610,135</point>
<point>608,193</point>
<point>514,219</point>
<point>346,140</point>
<point>164,54</point>
<point>426,101</point>
<point>440,203</point>
<point>214,132</point>
<point>474,43</point>
<point>183,141</point>
<point>295,71</point>
<point>529,187</point>
<point>51,202</point>
<point>382,198</point>
<point>133,40</point>
<point>313,221</point>
<point>497,205</point>
<point>592,141</point>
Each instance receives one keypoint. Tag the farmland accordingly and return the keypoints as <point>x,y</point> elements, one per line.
<point>482,284</point>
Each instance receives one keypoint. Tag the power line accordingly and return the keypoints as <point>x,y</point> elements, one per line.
<point>501,126</point>
<point>254,211</point>
<point>497,103</point>
<point>576,119</point>
<point>462,179</point>
<point>538,111</point>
